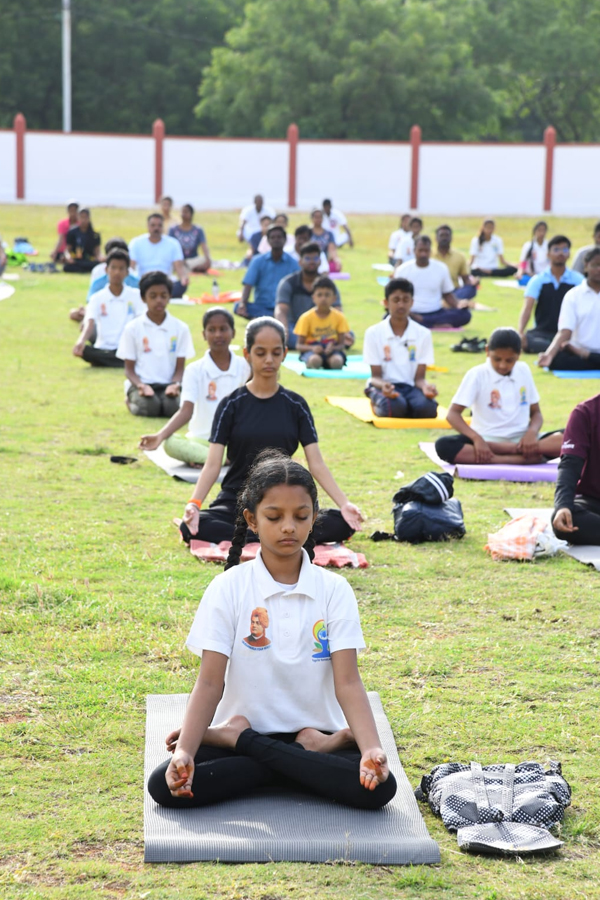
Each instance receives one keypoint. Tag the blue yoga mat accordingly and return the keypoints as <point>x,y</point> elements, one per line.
<point>354,368</point>
<point>567,373</point>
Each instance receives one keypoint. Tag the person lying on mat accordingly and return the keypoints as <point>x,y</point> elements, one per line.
<point>487,250</point>
<point>264,274</point>
<point>295,291</point>
<point>546,293</point>
<point>506,415</point>
<point>155,347</point>
<point>399,350</point>
<point>576,345</point>
<point>205,383</point>
<point>107,314</point>
<point>258,415</point>
<point>576,516</point>
<point>283,705</point>
<point>396,237</point>
<point>321,332</point>
<point>432,285</point>
<point>456,263</point>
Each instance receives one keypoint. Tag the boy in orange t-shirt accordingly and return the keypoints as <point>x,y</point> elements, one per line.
<point>321,332</point>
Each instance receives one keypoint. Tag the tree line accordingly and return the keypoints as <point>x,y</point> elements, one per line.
<point>354,69</point>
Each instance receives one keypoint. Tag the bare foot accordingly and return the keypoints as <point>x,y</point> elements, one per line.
<point>314,740</point>
<point>226,734</point>
<point>577,351</point>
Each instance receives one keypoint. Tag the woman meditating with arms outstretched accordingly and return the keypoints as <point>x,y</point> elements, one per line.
<point>278,638</point>
<point>258,415</point>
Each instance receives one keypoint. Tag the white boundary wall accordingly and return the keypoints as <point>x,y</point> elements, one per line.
<point>472,179</point>
<point>357,177</point>
<point>213,173</point>
<point>576,179</point>
<point>8,172</point>
<point>221,174</point>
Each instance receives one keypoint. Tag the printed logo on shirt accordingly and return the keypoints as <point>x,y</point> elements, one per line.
<point>567,445</point>
<point>387,354</point>
<point>259,622</point>
<point>146,345</point>
<point>523,396</point>
<point>173,346</point>
<point>129,308</point>
<point>103,309</point>
<point>322,651</point>
<point>212,390</point>
<point>412,352</point>
<point>495,400</point>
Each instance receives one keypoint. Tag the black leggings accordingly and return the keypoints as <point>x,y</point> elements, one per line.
<point>586,516</point>
<point>260,761</point>
<point>506,272</point>
<point>565,360</point>
<point>218,521</point>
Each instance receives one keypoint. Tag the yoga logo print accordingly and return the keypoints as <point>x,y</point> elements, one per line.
<point>259,622</point>
<point>173,346</point>
<point>523,396</point>
<point>412,352</point>
<point>322,651</point>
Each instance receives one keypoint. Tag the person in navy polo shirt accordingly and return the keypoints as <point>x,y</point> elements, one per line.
<point>546,292</point>
<point>264,274</point>
<point>576,515</point>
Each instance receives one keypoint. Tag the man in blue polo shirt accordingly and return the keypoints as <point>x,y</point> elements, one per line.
<point>264,274</point>
<point>546,292</point>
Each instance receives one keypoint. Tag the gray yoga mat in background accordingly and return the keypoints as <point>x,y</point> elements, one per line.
<point>275,825</point>
<point>177,469</point>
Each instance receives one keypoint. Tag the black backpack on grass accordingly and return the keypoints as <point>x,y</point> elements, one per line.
<point>426,511</point>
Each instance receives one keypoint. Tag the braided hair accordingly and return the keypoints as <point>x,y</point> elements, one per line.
<point>482,232</point>
<point>270,468</point>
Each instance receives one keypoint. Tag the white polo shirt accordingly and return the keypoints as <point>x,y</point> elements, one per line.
<point>405,248</point>
<point>155,348</point>
<point>486,255</point>
<point>111,314</point>
<point>283,681</point>
<point>334,223</point>
<point>580,313</point>
<point>429,282</point>
<point>395,238</point>
<point>158,257</point>
<point>205,385</point>
<point>252,218</point>
<point>398,355</point>
<point>500,403</point>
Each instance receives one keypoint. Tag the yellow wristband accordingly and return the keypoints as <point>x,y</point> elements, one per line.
<point>197,503</point>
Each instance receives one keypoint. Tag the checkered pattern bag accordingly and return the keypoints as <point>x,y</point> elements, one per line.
<point>499,808</point>
<point>517,539</point>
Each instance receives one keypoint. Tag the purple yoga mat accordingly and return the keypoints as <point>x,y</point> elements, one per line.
<point>540,472</point>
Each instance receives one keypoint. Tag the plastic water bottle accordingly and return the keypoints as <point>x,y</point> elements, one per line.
<point>215,289</point>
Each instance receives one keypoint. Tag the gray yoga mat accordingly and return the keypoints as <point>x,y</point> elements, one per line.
<point>177,469</point>
<point>588,554</point>
<point>279,825</point>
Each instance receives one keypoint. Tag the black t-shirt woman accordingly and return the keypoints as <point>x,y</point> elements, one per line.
<point>259,415</point>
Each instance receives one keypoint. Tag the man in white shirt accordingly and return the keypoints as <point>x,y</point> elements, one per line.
<point>432,285</point>
<point>250,218</point>
<point>108,312</point>
<point>335,221</point>
<point>396,237</point>
<point>576,345</point>
<point>157,252</point>
<point>155,347</point>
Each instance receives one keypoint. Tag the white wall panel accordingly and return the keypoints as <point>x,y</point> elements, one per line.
<point>8,164</point>
<point>576,181</point>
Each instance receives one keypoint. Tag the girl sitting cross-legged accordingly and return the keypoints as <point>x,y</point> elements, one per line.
<point>279,699</point>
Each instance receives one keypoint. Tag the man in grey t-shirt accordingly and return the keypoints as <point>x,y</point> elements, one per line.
<point>579,262</point>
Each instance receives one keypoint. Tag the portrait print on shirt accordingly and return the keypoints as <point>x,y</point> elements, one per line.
<point>322,650</point>
<point>495,400</point>
<point>259,622</point>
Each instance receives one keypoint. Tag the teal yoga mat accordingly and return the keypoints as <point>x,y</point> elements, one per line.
<point>354,368</point>
<point>564,373</point>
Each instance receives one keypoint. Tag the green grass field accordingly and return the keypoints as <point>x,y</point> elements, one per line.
<point>473,659</point>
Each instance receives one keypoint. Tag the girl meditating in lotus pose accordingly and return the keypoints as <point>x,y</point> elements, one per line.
<point>287,699</point>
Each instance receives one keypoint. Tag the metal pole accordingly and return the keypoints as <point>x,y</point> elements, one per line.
<point>66,64</point>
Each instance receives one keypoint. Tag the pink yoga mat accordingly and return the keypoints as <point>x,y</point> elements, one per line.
<point>337,555</point>
<point>540,472</point>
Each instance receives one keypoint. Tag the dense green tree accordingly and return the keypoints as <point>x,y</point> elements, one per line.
<point>347,69</point>
<point>131,62</point>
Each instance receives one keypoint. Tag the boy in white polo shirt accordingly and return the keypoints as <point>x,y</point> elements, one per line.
<point>399,351</point>
<point>432,285</point>
<point>109,311</point>
<point>506,415</point>
<point>155,347</point>
<point>206,382</point>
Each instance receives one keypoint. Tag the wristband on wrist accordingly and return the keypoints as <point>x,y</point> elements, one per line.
<point>197,503</point>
